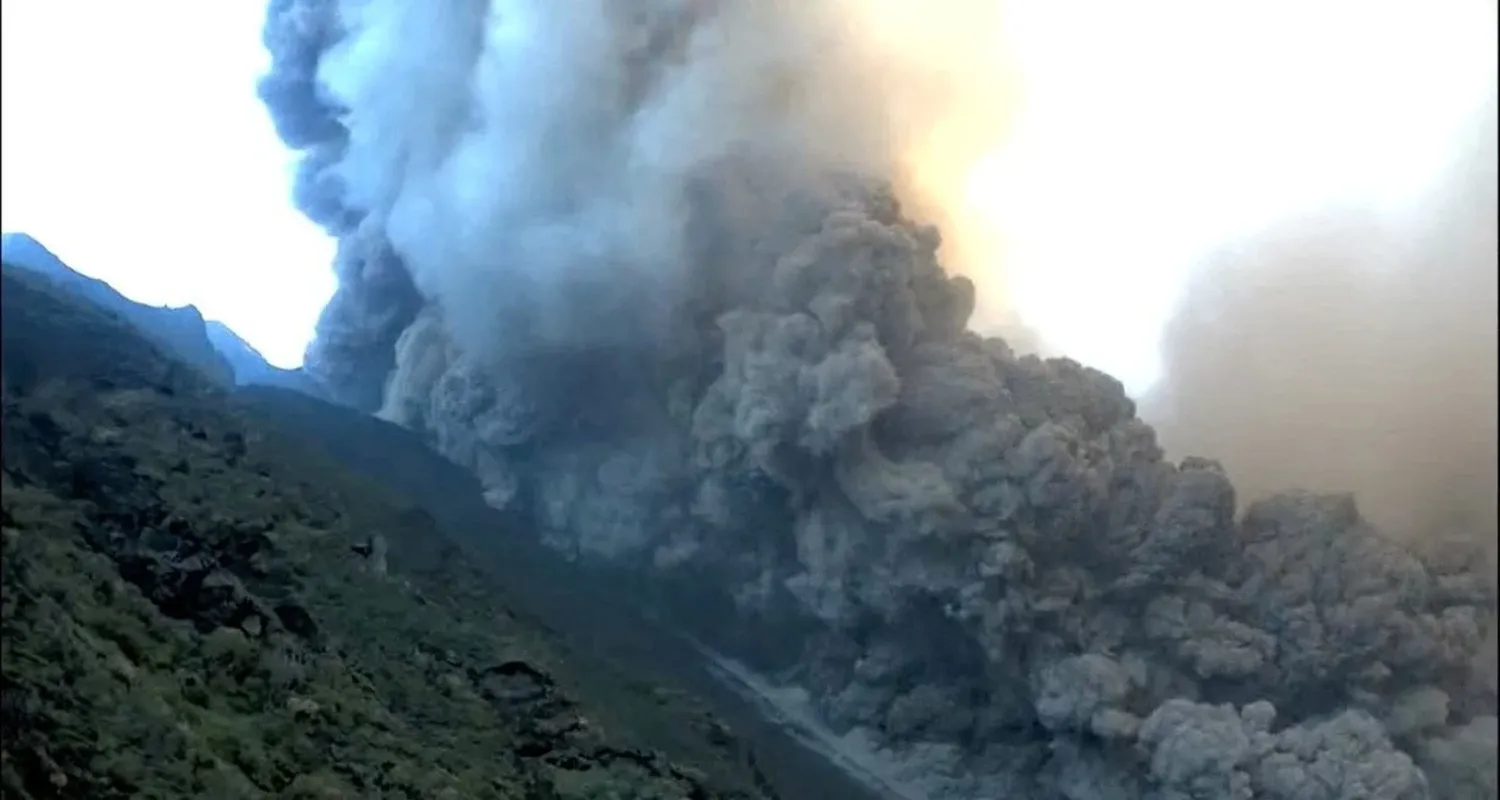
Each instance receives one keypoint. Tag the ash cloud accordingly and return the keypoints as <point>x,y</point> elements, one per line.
<point>1355,351</point>
<point>555,146</point>
<point>642,269</point>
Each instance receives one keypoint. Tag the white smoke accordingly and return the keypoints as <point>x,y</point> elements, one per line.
<point>531,160</point>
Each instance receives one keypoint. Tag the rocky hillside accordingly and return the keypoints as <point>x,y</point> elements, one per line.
<point>196,605</point>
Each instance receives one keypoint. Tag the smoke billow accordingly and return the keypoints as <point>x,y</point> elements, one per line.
<point>1355,351</point>
<point>657,273</point>
<point>556,146</point>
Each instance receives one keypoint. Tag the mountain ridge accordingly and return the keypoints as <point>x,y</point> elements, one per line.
<point>210,345</point>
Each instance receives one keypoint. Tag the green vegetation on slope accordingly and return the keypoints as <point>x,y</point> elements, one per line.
<point>195,606</point>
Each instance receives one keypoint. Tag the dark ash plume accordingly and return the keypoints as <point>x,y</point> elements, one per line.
<point>636,266</point>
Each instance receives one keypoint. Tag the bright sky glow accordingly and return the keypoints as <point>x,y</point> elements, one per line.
<point>132,144</point>
<point>1148,131</point>
<point>1151,131</point>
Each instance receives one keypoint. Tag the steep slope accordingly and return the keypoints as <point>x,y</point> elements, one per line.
<point>209,345</point>
<point>179,331</point>
<point>251,368</point>
<point>597,611</point>
<point>197,607</point>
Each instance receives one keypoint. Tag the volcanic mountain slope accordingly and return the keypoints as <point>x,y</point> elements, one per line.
<point>209,345</point>
<point>181,331</point>
<point>251,368</point>
<point>197,606</point>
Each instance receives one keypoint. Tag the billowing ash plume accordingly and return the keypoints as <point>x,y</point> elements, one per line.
<point>632,263</point>
<point>1362,348</point>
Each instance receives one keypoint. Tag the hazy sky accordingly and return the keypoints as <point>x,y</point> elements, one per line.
<point>134,146</point>
<point>1153,132</point>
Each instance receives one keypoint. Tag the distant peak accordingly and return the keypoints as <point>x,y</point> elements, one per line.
<point>18,236</point>
<point>226,339</point>
<point>21,241</point>
<point>23,250</point>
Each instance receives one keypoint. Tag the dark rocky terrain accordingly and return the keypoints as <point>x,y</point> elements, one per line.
<point>199,604</point>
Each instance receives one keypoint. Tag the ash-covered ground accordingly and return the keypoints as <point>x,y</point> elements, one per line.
<point>643,269</point>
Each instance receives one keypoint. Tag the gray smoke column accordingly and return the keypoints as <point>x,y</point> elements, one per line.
<point>641,268</point>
